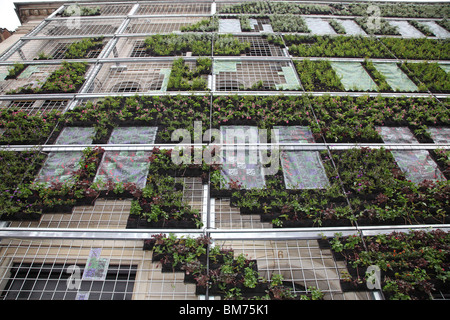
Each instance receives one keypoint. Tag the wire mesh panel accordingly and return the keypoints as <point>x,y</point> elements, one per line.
<point>59,49</point>
<point>226,216</point>
<point>101,214</point>
<point>33,107</point>
<point>71,27</point>
<point>173,8</point>
<point>118,9</point>
<point>260,47</point>
<point>159,25</point>
<point>117,269</point>
<point>47,270</point>
<point>130,47</point>
<point>32,77</point>
<point>254,75</point>
<point>301,263</point>
<point>132,77</point>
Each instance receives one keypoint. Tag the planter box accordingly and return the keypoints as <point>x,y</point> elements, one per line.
<point>21,216</point>
<point>135,222</point>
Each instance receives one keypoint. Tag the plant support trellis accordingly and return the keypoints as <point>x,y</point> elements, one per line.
<point>123,67</point>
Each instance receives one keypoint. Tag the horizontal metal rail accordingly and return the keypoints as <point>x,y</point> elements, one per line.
<point>215,234</point>
<point>235,146</point>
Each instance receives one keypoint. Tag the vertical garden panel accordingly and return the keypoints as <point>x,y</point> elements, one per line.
<point>417,164</point>
<point>353,76</point>
<point>436,29</point>
<point>60,165</point>
<point>301,169</point>
<point>241,164</point>
<point>127,166</point>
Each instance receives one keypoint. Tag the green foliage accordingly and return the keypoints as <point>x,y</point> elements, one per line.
<point>80,49</point>
<point>228,45</point>
<point>184,79</point>
<point>288,23</point>
<point>318,76</point>
<point>80,10</point>
<point>422,28</point>
<point>15,70</point>
<point>17,172</point>
<point>21,128</point>
<point>68,78</point>
<point>418,48</point>
<point>382,27</point>
<point>205,25</point>
<point>428,76</point>
<point>337,26</point>
<point>413,263</point>
<point>379,78</point>
<point>173,44</point>
<point>335,46</point>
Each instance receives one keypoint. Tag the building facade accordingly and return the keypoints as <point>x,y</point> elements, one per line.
<point>350,100</point>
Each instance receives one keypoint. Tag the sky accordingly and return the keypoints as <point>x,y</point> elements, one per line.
<point>9,20</point>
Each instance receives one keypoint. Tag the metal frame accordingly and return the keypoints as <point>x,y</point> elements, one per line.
<point>249,231</point>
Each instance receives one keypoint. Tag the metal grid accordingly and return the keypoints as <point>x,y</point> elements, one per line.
<point>130,48</point>
<point>103,214</point>
<point>300,261</point>
<point>68,27</point>
<point>159,25</point>
<point>33,107</point>
<point>260,47</point>
<point>44,264</point>
<point>173,9</point>
<point>117,9</point>
<point>226,216</point>
<point>244,75</point>
<point>131,77</point>
<point>51,48</point>
<point>33,76</point>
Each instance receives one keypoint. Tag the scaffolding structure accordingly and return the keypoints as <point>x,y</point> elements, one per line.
<point>35,255</point>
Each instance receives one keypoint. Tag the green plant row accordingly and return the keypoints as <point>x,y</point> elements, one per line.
<point>21,128</point>
<point>198,44</point>
<point>318,76</point>
<point>183,78</point>
<point>358,9</point>
<point>78,49</point>
<point>160,205</point>
<point>364,47</point>
<point>167,112</point>
<point>67,78</point>
<point>428,76</point>
<point>366,186</point>
<point>339,119</point>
